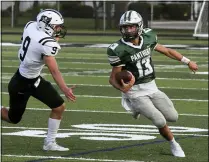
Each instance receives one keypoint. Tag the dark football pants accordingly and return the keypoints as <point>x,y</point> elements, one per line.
<point>20,89</point>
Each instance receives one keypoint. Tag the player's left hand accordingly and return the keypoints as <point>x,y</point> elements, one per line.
<point>193,66</point>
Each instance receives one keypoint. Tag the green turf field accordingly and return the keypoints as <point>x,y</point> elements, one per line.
<point>96,128</point>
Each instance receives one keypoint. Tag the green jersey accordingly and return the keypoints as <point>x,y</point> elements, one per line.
<point>136,59</point>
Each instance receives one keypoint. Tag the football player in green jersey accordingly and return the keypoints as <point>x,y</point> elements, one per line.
<point>141,95</point>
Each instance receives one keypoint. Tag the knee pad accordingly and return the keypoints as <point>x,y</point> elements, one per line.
<point>172,118</point>
<point>159,122</point>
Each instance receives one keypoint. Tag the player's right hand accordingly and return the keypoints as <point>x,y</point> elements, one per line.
<point>193,66</point>
<point>126,86</point>
<point>69,94</point>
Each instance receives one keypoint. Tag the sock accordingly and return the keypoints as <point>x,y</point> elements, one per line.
<point>172,141</point>
<point>2,107</point>
<point>53,126</point>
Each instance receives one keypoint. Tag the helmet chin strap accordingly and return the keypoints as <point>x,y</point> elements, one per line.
<point>128,37</point>
<point>135,41</point>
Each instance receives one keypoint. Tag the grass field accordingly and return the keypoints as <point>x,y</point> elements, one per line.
<point>96,128</point>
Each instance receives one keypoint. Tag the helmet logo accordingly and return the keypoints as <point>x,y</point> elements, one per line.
<point>51,22</point>
<point>45,19</point>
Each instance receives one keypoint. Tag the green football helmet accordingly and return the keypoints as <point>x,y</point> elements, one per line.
<point>130,18</point>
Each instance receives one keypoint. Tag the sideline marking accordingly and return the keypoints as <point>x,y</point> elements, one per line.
<point>68,158</point>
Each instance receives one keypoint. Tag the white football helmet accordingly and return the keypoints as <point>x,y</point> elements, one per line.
<point>51,22</point>
<point>131,18</point>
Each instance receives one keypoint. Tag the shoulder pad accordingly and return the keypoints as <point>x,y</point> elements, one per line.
<point>113,46</point>
<point>49,41</point>
<point>52,44</point>
<point>30,22</point>
<point>149,32</point>
<point>146,30</point>
<point>150,36</point>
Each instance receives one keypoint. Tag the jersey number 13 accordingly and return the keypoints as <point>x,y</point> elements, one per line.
<point>144,67</point>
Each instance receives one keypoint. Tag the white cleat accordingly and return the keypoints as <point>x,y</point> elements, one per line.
<point>177,150</point>
<point>53,146</point>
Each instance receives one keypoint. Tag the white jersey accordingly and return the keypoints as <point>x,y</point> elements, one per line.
<point>35,44</point>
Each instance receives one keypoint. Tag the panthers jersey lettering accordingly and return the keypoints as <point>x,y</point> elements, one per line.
<point>136,59</point>
<point>35,44</point>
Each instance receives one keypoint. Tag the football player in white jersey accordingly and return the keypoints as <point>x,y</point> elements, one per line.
<point>141,96</point>
<point>39,47</point>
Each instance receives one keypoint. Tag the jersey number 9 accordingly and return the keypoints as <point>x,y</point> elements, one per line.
<point>25,46</point>
<point>54,50</point>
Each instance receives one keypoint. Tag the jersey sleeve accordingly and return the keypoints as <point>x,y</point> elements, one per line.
<point>113,58</point>
<point>51,48</point>
<point>152,37</point>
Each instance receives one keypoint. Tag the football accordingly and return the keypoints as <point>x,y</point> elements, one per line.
<point>125,75</point>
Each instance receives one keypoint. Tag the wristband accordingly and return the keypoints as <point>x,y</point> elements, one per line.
<point>185,60</point>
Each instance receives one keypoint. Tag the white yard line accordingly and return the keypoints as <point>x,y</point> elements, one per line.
<point>67,158</point>
<point>98,85</point>
<point>65,62</point>
<point>100,131</point>
<point>91,96</point>
<point>9,75</point>
<point>113,112</point>
<point>92,63</point>
<point>116,131</point>
<point>202,72</point>
<point>160,69</point>
<point>110,112</point>
<point>105,45</point>
<point>100,56</point>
